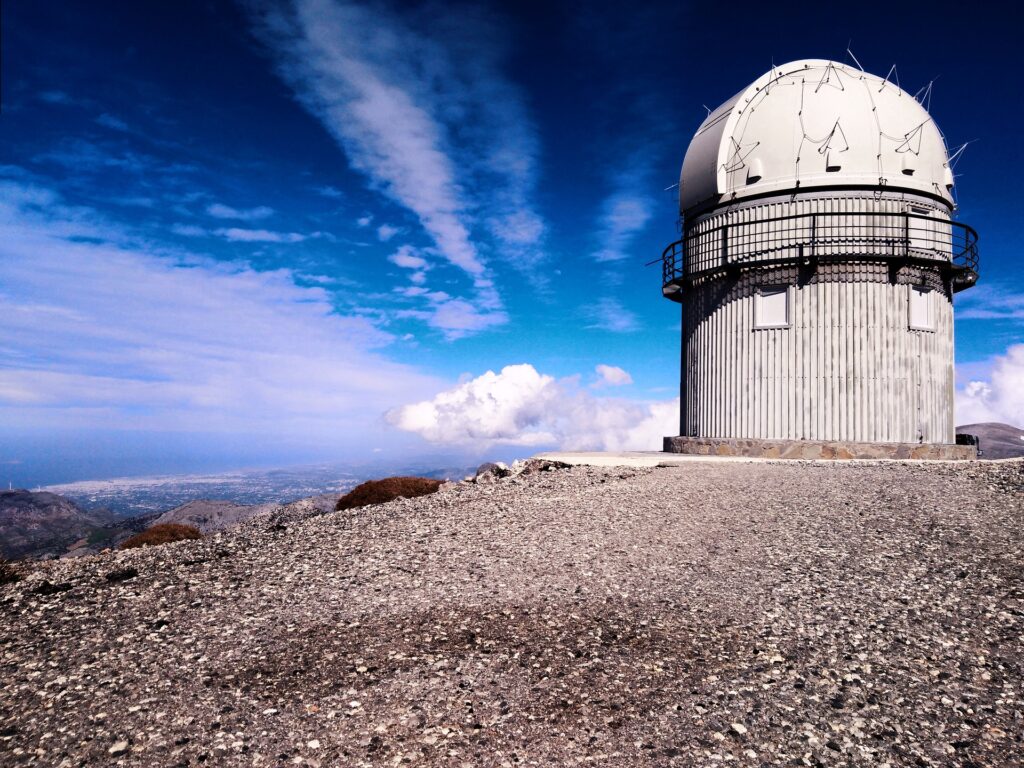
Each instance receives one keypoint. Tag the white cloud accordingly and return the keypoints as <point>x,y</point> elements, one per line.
<point>99,332</point>
<point>341,59</point>
<point>56,97</point>
<point>364,221</point>
<point>625,215</point>
<point>1001,398</point>
<point>332,192</point>
<point>418,103</point>
<point>990,301</point>
<point>612,376</point>
<point>494,408</point>
<point>411,291</point>
<point>114,123</point>
<point>521,406</point>
<point>457,318</point>
<point>385,232</point>
<point>238,235</point>
<point>81,157</point>
<point>608,314</point>
<point>190,230</point>
<point>220,211</point>
<point>408,257</point>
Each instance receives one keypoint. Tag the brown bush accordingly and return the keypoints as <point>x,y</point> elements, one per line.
<point>165,533</point>
<point>8,573</point>
<point>388,489</point>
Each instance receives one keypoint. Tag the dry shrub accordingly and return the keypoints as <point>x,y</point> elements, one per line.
<point>388,489</point>
<point>165,533</point>
<point>8,573</point>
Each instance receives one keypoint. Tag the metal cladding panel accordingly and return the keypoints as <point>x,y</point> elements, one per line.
<point>847,368</point>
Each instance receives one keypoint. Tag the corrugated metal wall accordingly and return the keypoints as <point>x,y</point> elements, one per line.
<point>847,368</point>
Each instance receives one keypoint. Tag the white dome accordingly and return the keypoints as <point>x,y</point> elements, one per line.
<point>813,124</point>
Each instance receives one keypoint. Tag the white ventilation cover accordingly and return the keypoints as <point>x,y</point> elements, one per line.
<point>771,307</point>
<point>922,308</point>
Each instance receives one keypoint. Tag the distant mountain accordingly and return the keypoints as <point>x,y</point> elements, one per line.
<point>998,441</point>
<point>212,514</point>
<point>38,524</point>
<point>130,496</point>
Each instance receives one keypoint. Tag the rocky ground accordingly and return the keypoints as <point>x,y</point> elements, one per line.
<point>741,613</point>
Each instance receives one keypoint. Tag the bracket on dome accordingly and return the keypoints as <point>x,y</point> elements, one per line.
<point>886,81</point>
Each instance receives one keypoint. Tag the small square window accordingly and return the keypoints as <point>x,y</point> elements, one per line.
<point>771,307</point>
<point>922,308</point>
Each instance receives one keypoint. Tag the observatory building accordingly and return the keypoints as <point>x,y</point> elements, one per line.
<point>816,272</point>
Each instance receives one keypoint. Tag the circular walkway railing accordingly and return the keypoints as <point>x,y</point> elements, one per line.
<point>814,237</point>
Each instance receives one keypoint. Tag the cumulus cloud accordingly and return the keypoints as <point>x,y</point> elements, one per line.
<point>999,399</point>
<point>521,406</point>
<point>495,408</point>
<point>221,211</point>
<point>612,376</point>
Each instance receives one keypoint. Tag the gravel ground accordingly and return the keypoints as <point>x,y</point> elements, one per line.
<point>751,614</point>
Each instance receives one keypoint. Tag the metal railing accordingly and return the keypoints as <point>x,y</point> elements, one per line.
<point>815,237</point>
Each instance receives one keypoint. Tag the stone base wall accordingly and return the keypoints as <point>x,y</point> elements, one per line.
<point>810,449</point>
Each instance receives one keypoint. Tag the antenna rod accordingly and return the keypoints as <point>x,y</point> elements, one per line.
<point>956,155</point>
<point>852,56</point>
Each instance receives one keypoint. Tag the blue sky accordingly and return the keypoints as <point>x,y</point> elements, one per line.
<point>254,233</point>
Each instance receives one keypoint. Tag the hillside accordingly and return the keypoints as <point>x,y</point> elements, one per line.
<point>37,524</point>
<point>754,613</point>
<point>41,525</point>
<point>998,441</point>
<point>210,515</point>
<point>207,514</point>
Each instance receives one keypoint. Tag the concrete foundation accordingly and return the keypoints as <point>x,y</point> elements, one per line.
<point>811,449</point>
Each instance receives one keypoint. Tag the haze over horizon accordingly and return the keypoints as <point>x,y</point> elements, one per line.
<point>254,234</point>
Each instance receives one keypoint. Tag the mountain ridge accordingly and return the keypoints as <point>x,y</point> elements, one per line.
<point>997,440</point>
<point>39,523</point>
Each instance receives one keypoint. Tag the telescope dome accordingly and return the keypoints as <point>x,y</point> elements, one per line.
<point>815,124</point>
